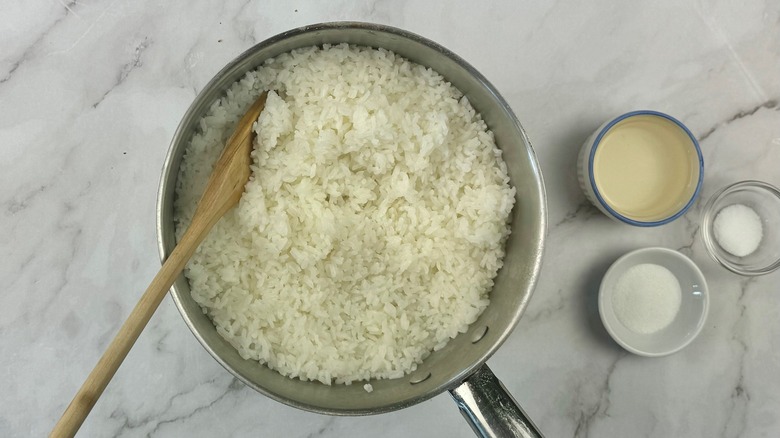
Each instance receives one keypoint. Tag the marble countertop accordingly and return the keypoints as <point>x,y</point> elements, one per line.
<point>91,94</point>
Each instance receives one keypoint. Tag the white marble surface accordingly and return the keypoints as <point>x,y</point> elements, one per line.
<point>91,92</point>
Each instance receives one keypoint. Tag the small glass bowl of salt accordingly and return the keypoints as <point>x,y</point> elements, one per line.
<point>741,228</point>
<point>653,301</point>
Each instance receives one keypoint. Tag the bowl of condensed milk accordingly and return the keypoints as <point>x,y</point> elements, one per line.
<point>643,168</point>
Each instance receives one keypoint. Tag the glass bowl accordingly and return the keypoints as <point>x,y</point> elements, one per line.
<point>764,199</point>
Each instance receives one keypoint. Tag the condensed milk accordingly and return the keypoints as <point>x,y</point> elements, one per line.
<point>643,168</point>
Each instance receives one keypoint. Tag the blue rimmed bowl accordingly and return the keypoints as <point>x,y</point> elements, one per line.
<point>643,168</point>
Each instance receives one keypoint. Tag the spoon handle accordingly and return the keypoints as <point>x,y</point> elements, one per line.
<point>223,191</point>
<point>93,387</point>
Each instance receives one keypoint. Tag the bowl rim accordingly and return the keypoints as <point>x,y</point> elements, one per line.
<point>597,141</point>
<point>708,218</point>
<point>667,253</point>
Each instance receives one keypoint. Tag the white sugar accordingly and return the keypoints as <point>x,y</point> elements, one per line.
<point>646,298</point>
<point>368,387</point>
<point>738,229</point>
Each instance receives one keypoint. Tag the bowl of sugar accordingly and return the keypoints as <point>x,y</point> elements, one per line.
<point>642,168</point>
<point>653,301</point>
<point>741,228</point>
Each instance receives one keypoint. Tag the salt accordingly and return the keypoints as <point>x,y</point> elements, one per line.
<point>368,387</point>
<point>738,229</point>
<point>646,298</point>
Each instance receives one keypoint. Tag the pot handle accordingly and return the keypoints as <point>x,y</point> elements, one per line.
<point>490,409</point>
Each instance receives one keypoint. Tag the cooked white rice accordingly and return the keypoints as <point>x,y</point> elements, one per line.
<point>372,226</point>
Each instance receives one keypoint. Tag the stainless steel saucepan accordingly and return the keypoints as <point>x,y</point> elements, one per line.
<point>459,367</point>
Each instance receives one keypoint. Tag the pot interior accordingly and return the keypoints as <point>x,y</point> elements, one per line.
<point>514,283</point>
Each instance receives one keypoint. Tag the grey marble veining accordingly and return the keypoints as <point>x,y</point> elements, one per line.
<point>92,91</point>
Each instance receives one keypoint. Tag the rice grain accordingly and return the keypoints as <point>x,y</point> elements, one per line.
<point>373,223</point>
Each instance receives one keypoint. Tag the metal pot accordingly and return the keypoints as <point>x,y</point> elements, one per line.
<point>459,367</point>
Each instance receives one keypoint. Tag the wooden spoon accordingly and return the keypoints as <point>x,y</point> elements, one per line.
<point>224,189</point>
